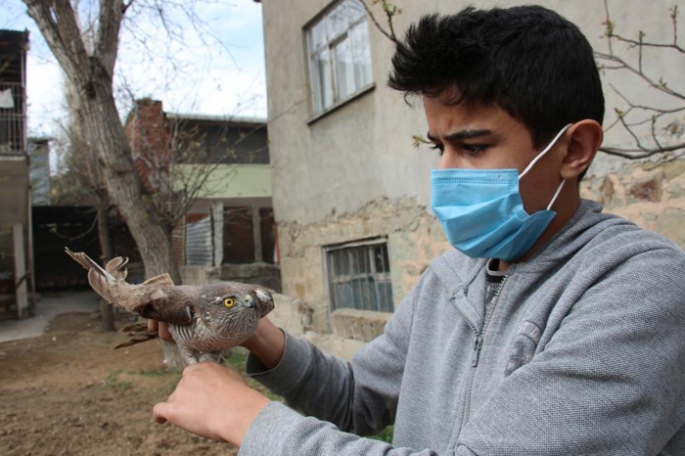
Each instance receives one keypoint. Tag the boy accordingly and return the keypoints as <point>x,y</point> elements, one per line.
<point>550,329</point>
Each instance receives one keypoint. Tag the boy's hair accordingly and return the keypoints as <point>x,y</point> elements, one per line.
<point>527,60</point>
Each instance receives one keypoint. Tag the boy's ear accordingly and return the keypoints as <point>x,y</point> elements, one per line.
<point>585,138</point>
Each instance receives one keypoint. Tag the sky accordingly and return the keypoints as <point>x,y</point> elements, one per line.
<point>216,71</point>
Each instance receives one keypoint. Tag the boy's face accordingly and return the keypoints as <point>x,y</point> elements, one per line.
<point>473,136</point>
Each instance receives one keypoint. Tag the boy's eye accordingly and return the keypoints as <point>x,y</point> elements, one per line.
<point>439,148</point>
<point>474,149</point>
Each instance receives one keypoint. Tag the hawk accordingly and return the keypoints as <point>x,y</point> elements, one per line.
<point>204,320</point>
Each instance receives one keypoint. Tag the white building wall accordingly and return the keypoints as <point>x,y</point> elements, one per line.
<point>354,173</point>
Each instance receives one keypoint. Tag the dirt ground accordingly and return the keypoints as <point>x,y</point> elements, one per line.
<point>68,393</point>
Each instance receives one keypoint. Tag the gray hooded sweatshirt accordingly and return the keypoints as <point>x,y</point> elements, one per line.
<point>582,353</point>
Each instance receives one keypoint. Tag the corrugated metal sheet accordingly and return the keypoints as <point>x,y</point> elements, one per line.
<point>199,243</point>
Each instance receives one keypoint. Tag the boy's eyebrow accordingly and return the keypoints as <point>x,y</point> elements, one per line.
<point>462,134</point>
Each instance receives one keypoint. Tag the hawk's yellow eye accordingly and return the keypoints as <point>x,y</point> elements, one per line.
<point>229,302</point>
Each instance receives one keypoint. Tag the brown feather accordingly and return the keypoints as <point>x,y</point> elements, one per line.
<point>85,261</point>
<point>134,328</point>
<point>137,340</point>
<point>100,285</point>
<point>162,279</point>
<point>117,267</point>
<point>169,304</point>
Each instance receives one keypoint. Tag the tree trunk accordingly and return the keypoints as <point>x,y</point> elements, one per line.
<point>106,309</point>
<point>106,134</point>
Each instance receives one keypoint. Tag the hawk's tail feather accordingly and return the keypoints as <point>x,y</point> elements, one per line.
<point>162,279</point>
<point>137,340</point>
<point>101,286</point>
<point>88,263</point>
<point>117,267</point>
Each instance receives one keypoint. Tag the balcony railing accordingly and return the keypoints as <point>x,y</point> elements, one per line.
<point>12,118</point>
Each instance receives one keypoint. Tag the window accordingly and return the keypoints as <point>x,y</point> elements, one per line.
<point>339,54</point>
<point>359,277</point>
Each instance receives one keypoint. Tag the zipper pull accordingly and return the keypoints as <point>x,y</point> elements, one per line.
<point>478,344</point>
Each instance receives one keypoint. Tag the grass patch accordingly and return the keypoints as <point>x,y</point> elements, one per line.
<point>164,372</point>
<point>235,358</point>
<point>385,435</point>
<point>112,381</point>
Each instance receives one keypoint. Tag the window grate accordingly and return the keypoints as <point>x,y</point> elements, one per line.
<point>12,119</point>
<point>359,278</point>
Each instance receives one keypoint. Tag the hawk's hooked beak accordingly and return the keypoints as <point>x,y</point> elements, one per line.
<point>248,301</point>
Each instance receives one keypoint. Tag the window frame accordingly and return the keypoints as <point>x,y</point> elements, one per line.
<point>330,46</point>
<point>386,277</point>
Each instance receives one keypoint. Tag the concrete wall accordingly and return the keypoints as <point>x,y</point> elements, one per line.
<point>354,174</point>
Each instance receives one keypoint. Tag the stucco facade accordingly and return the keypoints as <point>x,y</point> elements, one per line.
<point>354,173</point>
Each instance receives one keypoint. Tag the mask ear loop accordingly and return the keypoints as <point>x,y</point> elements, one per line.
<point>554,198</point>
<point>542,154</point>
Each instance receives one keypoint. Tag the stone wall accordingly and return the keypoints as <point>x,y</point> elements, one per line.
<point>295,316</point>
<point>265,274</point>
<point>651,194</point>
<point>413,236</point>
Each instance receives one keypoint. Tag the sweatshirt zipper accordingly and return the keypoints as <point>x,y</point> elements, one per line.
<point>475,356</point>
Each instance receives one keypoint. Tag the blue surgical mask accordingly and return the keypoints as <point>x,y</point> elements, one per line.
<point>482,212</point>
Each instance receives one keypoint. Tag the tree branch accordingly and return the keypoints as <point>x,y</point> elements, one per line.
<point>107,45</point>
<point>635,154</point>
<point>57,22</point>
<point>391,34</point>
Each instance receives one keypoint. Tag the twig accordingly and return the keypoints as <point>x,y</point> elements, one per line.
<point>634,154</point>
<point>390,35</point>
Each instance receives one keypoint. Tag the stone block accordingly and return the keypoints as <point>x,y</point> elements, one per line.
<point>291,314</point>
<point>264,274</point>
<point>672,225</point>
<point>335,345</point>
<point>362,325</point>
<point>648,189</point>
<point>606,191</point>
<point>674,169</point>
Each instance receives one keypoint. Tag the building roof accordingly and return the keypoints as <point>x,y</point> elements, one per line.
<point>217,118</point>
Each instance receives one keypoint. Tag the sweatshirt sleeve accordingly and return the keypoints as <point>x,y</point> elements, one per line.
<point>280,431</point>
<point>610,381</point>
<point>336,396</point>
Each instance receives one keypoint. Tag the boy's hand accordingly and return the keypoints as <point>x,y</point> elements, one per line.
<point>161,328</point>
<point>212,401</point>
<point>267,343</point>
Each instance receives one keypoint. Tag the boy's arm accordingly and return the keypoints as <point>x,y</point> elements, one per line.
<point>360,396</point>
<point>267,344</point>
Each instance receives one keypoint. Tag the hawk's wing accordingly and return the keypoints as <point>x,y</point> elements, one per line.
<point>167,303</point>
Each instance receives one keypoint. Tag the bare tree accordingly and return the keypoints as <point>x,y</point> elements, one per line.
<point>647,124</point>
<point>87,53</point>
<point>90,69</point>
